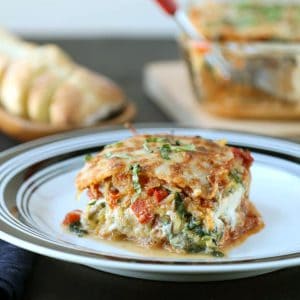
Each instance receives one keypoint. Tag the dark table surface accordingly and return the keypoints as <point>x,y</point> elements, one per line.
<point>123,60</point>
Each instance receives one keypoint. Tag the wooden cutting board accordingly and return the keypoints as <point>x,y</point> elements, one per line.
<point>167,84</point>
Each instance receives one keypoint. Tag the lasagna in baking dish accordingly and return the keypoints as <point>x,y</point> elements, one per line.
<point>246,20</point>
<point>184,194</point>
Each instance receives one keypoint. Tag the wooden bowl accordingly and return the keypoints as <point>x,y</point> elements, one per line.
<point>26,130</point>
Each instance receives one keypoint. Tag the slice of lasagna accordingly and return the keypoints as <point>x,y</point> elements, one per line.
<point>184,194</point>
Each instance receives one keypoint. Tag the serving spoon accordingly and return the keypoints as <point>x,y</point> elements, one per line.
<point>213,55</point>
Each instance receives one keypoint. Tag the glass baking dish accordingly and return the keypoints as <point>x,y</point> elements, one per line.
<point>265,77</point>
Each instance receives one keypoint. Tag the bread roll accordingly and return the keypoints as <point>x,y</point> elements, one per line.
<point>42,83</point>
<point>41,92</point>
<point>22,72</point>
<point>10,49</point>
<point>13,47</point>
<point>84,98</point>
<point>4,61</point>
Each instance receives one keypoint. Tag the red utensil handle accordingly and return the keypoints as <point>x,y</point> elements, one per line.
<point>169,6</point>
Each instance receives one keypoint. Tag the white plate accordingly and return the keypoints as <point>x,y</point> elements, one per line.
<point>38,179</point>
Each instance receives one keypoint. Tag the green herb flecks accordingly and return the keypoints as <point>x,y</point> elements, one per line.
<point>273,14</point>
<point>157,139</point>
<point>146,147</point>
<point>88,157</point>
<point>92,203</point>
<point>166,149</point>
<point>118,155</point>
<point>183,148</point>
<point>153,139</point>
<point>236,176</point>
<point>230,190</point>
<point>249,14</point>
<point>167,146</point>
<point>117,144</point>
<point>76,227</point>
<point>135,169</point>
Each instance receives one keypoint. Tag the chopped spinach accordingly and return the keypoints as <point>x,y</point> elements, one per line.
<point>76,227</point>
<point>195,248</point>
<point>88,157</point>
<point>187,233</point>
<point>195,226</point>
<point>179,206</point>
<point>217,253</point>
<point>236,176</point>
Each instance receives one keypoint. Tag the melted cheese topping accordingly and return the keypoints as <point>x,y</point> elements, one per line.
<point>227,210</point>
<point>183,169</point>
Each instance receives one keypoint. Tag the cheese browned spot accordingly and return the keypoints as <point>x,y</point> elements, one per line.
<point>184,194</point>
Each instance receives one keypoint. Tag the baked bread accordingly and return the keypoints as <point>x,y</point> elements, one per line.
<point>4,61</point>
<point>43,84</point>
<point>83,98</point>
<point>40,94</point>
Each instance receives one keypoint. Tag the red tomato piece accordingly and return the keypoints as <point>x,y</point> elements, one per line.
<point>72,217</point>
<point>94,192</point>
<point>245,155</point>
<point>150,192</point>
<point>142,211</point>
<point>143,180</point>
<point>114,197</point>
<point>158,193</point>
